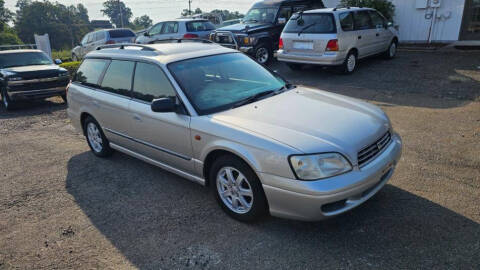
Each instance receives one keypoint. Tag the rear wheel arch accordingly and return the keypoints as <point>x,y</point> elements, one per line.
<point>84,117</point>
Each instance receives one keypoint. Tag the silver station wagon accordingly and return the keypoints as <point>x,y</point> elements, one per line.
<point>336,37</point>
<point>216,117</point>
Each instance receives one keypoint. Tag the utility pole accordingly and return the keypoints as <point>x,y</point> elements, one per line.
<point>190,7</point>
<point>121,14</point>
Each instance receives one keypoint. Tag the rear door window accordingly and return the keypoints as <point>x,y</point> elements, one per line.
<point>313,23</point>
<point>285,12</point>
<point>362,20</point>
<point>170,28</point>
<point>346,21</point>
<point>90,71</point>
<point>198,26</point>
<point>90,37</point>
<point>118,77</point>
<point>150,83</point>
<point>377,19</point>
<point>99,35</point>
<point>121,33</point>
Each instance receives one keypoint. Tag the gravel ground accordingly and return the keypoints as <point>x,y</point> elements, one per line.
<point>61,207</point>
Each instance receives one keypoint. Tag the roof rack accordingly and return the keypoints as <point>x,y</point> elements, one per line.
<point>180,40</point>
<point>122,46</point>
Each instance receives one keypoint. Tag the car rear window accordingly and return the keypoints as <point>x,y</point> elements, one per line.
<point>311,23</point>
<point>198,26</point>
<point>119,33</point>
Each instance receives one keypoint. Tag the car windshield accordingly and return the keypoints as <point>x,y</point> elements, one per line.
<point>319,23</point>
<point>24,59</point>
<point>265,15</point>
<point>220,82</point>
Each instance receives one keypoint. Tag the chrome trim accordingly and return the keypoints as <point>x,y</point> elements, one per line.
<point>149,144</point>
<point>234,44</point>
<point>12,93</point>
<point>51,79</point>
<point>159,164</point>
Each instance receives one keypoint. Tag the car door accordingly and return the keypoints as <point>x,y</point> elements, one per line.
<point>164,137</point>
<point>112,100</point>
<point>90,43</point>
<point>169,31</point>
<point>155,32</point>
<point>365,33</point>
<point>383,35</point>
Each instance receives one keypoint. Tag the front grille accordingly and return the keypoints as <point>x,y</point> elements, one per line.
<point>371,151</point>
<point>38,85</point>
<point>224,38</point>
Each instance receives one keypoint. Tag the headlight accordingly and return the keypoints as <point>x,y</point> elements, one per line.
<point>318,166</point>
<point>246,40</point>
<point>15,78</point>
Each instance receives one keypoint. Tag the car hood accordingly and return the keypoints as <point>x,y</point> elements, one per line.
<point>245,27</point>
<point>312,121</point>
<point>36,71</point>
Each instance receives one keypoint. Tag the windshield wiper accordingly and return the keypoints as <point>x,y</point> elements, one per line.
<point>306,27</point>
<point>251,20</point>
<point>253,98</point>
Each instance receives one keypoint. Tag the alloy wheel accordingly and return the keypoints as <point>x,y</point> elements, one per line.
<point>393,49</point>
<point>235,190</point>
<point>351,62</point>
<point>94,137</point>
<point>262,55</point>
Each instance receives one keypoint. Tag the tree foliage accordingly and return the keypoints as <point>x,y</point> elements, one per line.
<point>142,22</point>
<point>7,34</point>
<point>186,13</point>
<point>118,12</point>
<point>227,15</point>
<point>65,25</point>
<point>384,6</point>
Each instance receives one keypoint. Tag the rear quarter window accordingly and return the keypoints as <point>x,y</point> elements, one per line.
<point>313,23</point>
<point>198,26</point>
<point>346,21</point>
<point>120,33</point>
<point>90,71</point>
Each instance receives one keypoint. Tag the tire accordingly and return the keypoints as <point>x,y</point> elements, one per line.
<point>64,97</point>
<point>263,54</point>
<point>96,140</point>
<point>350,64</point>
<point>75,58</point>
<point>293,66</point>
<point>391,51</point>
<point>6,101</point>
<point>243,199</point>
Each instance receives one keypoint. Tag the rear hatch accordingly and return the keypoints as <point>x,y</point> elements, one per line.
<point>121,35</point>
<point>309,33</point>
<point>199,29</point>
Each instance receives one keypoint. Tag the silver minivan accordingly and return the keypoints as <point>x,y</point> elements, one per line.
<point>177,29</point>
<point>93,40</point>
<point>336,37</point>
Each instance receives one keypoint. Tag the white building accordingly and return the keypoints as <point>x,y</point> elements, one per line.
<point>439,20</point>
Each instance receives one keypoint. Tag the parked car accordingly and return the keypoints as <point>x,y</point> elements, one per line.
<point>259,32</point>
<point>177,29</point>
<point>30,74</point>
<point>216,117</point>
<point>101,37</point>
<point>336,37</point>
<point>231,22</point>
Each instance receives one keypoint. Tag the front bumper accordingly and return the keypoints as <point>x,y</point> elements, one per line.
<point>37,94</point>
<point>317,200</point>
<point>326,59</point>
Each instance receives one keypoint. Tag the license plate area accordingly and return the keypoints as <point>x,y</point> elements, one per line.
<point>303,45</point>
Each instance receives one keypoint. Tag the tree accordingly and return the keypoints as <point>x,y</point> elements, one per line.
<point>118,12</point>
<point>142,22</point>
<point>5,15</point>
<point>66,25</point>
<point>384,6</point>
<point>186,12</point>
<point>227,15</point>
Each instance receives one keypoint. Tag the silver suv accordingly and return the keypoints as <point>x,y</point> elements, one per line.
<point>218,118</point>
<point>175,29</point>
<point>101,37</point>
<point>336,37</point>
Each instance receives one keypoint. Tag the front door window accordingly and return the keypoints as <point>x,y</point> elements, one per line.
<point>471,21</point>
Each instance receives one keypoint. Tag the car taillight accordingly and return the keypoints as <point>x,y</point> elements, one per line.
<point>280,44</point>
<point>110,42</point>
<point>332,45</point>
<point>190,36</point>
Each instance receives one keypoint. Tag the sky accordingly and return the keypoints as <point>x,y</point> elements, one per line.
<point>157,10</point>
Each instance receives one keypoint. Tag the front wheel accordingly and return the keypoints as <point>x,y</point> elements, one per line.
<point>263,54</point>
<point>237,189</point>
<point>391,51</point>
<point>96,139</point>
<point>64,97</point>
<point>7,102</point>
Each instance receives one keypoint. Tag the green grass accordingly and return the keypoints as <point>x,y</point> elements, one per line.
<point>64,55</point>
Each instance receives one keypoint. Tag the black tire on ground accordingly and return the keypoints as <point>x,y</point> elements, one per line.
<point>75,58</point>
<point>64,97</point>
<point>6,101</point>
<point>350,64</point>
<point>391,51</point>
<point>294,66</point>
<point>104,150</point>
<point>259,205</point>
<point>263,54</point>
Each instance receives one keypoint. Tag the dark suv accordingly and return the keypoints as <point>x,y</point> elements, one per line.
<point>260,29</point>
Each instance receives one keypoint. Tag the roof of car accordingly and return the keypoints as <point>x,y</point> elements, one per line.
<point>163,52</point>
<point>335,9</point>
<point>19,51</point>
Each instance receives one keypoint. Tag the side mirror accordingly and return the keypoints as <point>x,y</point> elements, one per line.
<point>163,105</point>
<point>389,24</point>
<point>146,34</point>
<point>282,20</point>
<point>57,61</point>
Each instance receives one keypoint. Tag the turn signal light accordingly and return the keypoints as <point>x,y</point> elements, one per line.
<point>280,44</point>
<point>190,36</point>
<point>332,45</point>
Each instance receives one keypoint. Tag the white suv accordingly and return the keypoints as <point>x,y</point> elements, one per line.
<point>177,29</point>
<point>336,37</point>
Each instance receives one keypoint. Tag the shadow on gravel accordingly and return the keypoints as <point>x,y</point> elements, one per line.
<point>158,220</point>
<point>419,79</point>
<point>32,108</point>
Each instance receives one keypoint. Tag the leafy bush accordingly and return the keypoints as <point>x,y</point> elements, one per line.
<point>384,6</point>
<point>71,67</point>
<point>64,55</point>
<point>8,38</point>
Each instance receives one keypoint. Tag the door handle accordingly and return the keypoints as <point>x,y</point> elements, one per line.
<point>137,118</point>
<point>377,34</point>
<point>359,37</point>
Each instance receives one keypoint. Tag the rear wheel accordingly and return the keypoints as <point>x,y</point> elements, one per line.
<point>350,63</point>
<point>7,102</point>
<point>237,189</point>
<point>96,139</point>
<point>293,66</point>
<point>263,54</point>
